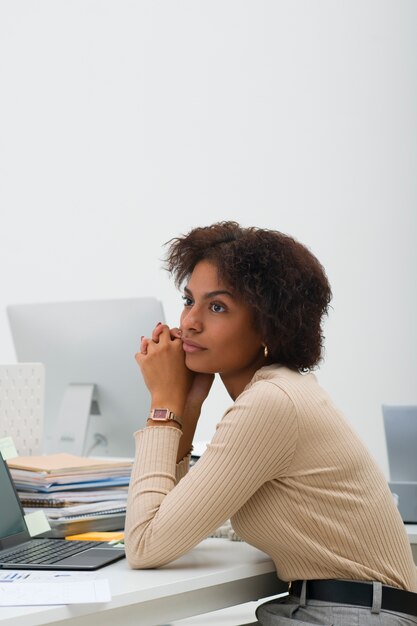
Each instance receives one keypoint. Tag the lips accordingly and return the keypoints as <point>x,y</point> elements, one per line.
<point>191,346</point>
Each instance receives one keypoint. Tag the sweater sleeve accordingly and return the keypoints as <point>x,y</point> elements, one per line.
<point>253,443</point>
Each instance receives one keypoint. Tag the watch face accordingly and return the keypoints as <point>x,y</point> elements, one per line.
<point>160,414</point>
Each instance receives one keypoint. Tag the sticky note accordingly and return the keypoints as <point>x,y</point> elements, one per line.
<point>37,523</point>
<point>115,535</point>
<point>7,448</point>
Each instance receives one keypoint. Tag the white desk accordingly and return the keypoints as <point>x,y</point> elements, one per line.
<point>216,574</point>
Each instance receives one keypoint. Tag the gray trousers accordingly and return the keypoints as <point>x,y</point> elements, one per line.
<point>293,611</point>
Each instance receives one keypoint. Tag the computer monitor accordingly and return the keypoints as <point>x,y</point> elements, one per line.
<point>95,397</point>
<point>400,424</point>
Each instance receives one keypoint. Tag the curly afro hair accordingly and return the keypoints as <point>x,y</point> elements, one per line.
<point>281,281</point>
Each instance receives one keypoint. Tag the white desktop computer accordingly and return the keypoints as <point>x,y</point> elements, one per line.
<point>95,397</point>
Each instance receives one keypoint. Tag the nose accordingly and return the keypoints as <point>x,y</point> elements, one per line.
<point>191,320</point>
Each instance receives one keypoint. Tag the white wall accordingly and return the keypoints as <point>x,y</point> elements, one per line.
<point>124,123</point>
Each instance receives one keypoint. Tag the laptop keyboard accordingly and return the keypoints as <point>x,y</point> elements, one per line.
<point>46,551</point>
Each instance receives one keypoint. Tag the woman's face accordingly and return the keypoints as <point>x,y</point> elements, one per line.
<point>218,332</point>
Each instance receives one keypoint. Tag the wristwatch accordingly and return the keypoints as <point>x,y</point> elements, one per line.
<point>164,415</point>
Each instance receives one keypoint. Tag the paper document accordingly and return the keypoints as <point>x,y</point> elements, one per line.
<point>20,589</point>
<point>66,463</point>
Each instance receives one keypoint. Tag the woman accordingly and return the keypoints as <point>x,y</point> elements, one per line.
<point>283,465</point>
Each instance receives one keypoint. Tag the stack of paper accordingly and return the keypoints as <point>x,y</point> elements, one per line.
<point>55,472</point>
<point>77,494</point>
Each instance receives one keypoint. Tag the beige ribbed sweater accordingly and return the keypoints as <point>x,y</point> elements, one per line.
<point>292,475</point>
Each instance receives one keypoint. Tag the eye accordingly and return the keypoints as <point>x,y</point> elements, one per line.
<point>216,307</point>
<point>187,301</point>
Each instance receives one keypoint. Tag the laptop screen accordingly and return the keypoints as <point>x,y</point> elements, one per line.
<point>11,519</point>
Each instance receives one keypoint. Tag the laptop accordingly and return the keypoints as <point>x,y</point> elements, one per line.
<point>18,550</point>
<point>400,423</point>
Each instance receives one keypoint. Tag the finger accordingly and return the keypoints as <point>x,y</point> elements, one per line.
<point>157,331</point>
<point>144,345</point>
<point>176,333</point>
<point>163,333</point>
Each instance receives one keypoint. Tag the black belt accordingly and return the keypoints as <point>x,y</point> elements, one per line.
<point>357,593</point>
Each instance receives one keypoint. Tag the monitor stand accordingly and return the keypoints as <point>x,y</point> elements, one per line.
<point>78,403</point>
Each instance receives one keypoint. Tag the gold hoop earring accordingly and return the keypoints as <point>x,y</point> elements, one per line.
<point>266,352</point>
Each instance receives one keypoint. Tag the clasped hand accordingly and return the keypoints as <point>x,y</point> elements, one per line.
<point>170,382</point>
